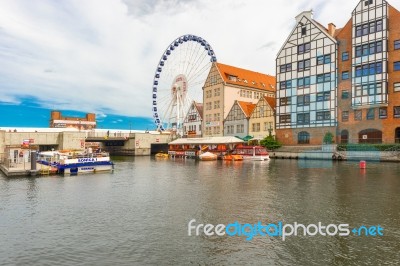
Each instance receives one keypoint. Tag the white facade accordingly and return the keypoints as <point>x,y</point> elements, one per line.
<point>193,120</point>
<point>306,77</point>
<point>369,45</point>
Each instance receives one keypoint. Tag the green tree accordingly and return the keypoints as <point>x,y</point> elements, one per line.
<point>270,143</point>
<point>328,138</point>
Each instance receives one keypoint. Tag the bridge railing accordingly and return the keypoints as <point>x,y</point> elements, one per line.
<point>109,134</point>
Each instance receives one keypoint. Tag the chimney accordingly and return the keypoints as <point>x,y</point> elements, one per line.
<point>307,14</point>
<point>331,29</point>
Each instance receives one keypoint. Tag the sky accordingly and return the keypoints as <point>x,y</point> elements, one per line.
<point>100,56</point>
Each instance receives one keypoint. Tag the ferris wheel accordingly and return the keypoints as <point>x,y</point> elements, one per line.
<point>178,80</point>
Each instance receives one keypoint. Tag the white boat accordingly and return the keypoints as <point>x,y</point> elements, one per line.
<point>74,162</point>
<point>208,156</point>
<point>254,153</point>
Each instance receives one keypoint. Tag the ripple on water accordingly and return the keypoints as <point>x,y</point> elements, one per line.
<point>139,214</point>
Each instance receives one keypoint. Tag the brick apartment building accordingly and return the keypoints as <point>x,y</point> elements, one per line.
<point>369,75</point>
<point>83,123</point>
<point>345,81</point>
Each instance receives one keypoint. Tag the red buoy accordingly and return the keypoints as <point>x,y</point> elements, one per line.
<point>363,164</point>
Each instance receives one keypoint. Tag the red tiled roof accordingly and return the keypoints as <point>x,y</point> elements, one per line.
<point>247,107</point>
<point>247,78</point>
<point>199,107</point>
<point>271,101</point>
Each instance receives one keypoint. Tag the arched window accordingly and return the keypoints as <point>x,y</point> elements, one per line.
<point>303,137</point>
<point>370,135</point>
<point>397,135</point>
<point>344,136</point>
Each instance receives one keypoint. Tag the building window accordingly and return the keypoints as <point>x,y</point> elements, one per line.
<point>303,119</point>
<point>303,65</point>
<point>240,128</point>
<point>345,75</point>
<point>303,100</point>
<point>371,114</point>
<point>396,87</point>
<point>368,89</point>
<point>233,78</point>
<point>286,68</point>
<point>284,119</point>
<point>379,25</point>
<point>345,56</point>
<point>345,94</point>
<point>370,69</point>
<point>323,59</point>
<point>303,48</point>
<point>285,84</point>
<point>303,82</point>
<point>303,31</point>
<point>358,115</point>
<point>303,138</point>
<point>256,127</point>
<point>323,96</point>
<point>368,28</point>
<point>396,111</point>
<point>285,101</point>
<point>368,2</point>
<point>383,112</point>
<point>345,116</point>
<point>369,49</point>
<point>397,44</point>
<point>321,78</point>
<point>396,66</point>
<point>230,129</point>
<point>325,115</point>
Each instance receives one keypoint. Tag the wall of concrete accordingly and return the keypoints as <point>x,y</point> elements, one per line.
<point>142,142</point>
<point>39,138</point>
<point>135,144</point>
<point>72,140</point>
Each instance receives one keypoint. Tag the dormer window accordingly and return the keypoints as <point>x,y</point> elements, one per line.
<point>245,80</point>
<point>233,78</point>
<point>368,2</point>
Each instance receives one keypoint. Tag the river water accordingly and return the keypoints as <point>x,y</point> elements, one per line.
<point>139,214</point>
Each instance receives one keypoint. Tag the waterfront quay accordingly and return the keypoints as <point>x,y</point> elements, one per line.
<point>17,144</point>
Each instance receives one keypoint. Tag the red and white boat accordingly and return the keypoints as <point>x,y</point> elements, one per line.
<point>254,153</point>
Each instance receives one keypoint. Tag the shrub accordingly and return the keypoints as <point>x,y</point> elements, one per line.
<point>270,143</point>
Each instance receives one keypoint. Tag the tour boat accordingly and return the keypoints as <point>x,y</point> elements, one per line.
<point>208,156</point>
<point>254,153</point>
<point>74,162</point>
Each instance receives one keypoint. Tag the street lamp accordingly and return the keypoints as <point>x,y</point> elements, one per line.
<point>270,129</point>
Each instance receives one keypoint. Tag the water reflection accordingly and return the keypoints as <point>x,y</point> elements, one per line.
<point>139,213</point>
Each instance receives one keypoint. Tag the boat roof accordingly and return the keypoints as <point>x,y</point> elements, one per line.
<point>209,140</point>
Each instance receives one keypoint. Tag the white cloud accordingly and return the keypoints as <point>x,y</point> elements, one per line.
<point>100,56</point>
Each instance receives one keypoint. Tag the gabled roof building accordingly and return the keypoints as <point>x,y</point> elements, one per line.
<point>224,85</point>
<point>193,120</point>
<point>237,120</point>
<point>306,83</point>
<point>262,119</point>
